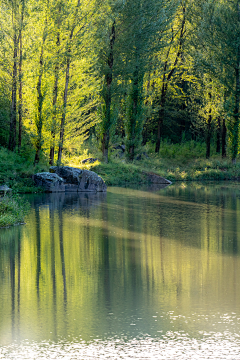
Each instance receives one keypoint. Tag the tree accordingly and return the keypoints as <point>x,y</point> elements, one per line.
<point>80,22</point>
<point>106,109</point>
<point>173,58</point>
<point>219,36</point>
<point>144,27</point>
<point>40,96</point>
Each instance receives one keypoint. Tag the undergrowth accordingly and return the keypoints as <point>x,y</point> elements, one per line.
<point>175,162</point>
<point>12,210</point>
<point>16,172</point>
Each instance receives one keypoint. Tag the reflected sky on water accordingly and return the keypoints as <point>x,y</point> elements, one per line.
<point>131,273</point>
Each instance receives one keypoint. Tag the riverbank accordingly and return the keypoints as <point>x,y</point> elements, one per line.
<point>175,162</point>
<point>119,173</point>
<point>12,211</point>
<point>16,171</point>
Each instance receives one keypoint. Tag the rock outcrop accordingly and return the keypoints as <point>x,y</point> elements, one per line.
<point>69,179</point>
<point>50,182</point>
<point>156,179</point>
<point>4,189</point>
<point>89,161</point>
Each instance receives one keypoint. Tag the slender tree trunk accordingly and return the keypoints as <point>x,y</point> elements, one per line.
<point>39,111</point>
<point>52,148</point>
<point>235,129</point>
<point>218,149</point>
<point>224,135</point>
<point>40,97</point>
<point>60,149</point>
<point>133,116</point>
<point>167,78</point>
<point>20,80</point>
<point>108,96</point>
<point>55,95</point>
<point>13,114</point>
<point>162,104</point>
<point>236,118</point>
<point>160,121</point>
<point>208,138</point>
<point>209,125</point>
<point>20,93</point>
<point>65,95</point>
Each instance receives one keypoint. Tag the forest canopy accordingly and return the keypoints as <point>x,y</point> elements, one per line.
<point>125,71</point>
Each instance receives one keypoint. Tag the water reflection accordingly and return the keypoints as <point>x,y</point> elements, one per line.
<point>89,270</point>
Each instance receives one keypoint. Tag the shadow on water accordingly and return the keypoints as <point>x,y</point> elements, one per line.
<point>63,201</point>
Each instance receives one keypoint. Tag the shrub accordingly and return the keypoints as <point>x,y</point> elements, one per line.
<point>12,210</point>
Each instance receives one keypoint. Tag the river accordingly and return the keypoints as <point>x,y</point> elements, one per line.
<point>133,273</point>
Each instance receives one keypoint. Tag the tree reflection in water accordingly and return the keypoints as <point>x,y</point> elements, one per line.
<point>122,264</point>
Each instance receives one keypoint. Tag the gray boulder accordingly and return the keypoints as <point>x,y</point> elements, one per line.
<point>4,189</point>
<point>50,182</point>
<point>68,174</point>
<point>141,156</point>
<point>89,161</point>
<point>119,147</point>
<point>156,179</point>
<point>79,180</point>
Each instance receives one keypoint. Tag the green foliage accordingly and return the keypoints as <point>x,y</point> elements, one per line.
<point>128,70</point>
<point>218,53</point>
<point>12,210</point>
<point>16,171</point>
<point>134,117</point>
<point>176,162</point>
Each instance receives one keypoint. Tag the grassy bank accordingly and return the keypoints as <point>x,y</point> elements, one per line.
<point>12,210</point>
<point>175,162</point>
<point>16,171</point>
<point>120,173</point>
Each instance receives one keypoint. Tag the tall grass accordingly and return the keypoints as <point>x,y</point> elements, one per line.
<point>175,162</point>
<point>12,210</point>
<point>16,171</point>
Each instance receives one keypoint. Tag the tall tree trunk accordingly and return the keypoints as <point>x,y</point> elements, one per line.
<point>20,80</point>
<point>167,78</point>
<point>160,119</point>
<point>236,118</point>
<point>133,116</point>
<point>209,125</point>
<point>108,96</point>
<point>55,95</point>
<point>218,149</point>
<point>235,130</point>
<point>208,138</point>
<point>39,121</point>
<point>20,94</point>
<point>62,129</point>
<point>162,103</point>
<point>13,114</point>
<point>39,110</point>
<point>65,95</point>
<point>224,135</point>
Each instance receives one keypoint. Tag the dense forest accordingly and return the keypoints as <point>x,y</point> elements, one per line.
<point>129,72</point>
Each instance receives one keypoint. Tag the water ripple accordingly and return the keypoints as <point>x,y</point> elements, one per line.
<point>174,345</point>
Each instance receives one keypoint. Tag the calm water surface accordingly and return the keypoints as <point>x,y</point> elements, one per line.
<point>128,274</point>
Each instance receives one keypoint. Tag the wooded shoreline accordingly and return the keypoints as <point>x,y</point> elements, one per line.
<point>177,163</point>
